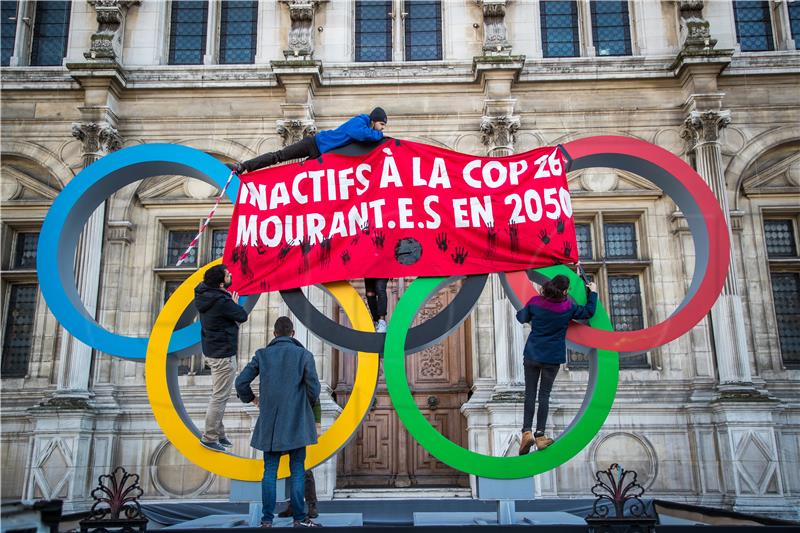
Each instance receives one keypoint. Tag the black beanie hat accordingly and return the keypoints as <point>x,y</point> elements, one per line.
<point>378,115</point>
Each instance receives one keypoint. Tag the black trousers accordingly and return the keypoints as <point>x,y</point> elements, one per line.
<point>304,149</point>
<point>376,297</point>
<point>541,376</point>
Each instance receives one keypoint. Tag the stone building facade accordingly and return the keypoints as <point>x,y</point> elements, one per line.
<point>711,418</point>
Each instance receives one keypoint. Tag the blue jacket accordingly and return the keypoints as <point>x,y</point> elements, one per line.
<point>355,129</point>
<point>549,320</point>
<point>288,388</point>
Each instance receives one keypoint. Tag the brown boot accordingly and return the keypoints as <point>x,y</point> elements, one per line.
<point>543,442</point>
<point>525,443</point>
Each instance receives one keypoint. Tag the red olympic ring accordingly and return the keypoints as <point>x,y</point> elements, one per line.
<point>705,294</point>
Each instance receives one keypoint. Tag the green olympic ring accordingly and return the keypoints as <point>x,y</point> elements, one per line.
<point>581,431</point>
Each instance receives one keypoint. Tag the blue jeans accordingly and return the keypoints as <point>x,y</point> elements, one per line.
<point>297,469</point>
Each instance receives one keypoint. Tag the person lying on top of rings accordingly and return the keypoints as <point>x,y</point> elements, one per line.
<point>359,128</point>
<point>549,315</point>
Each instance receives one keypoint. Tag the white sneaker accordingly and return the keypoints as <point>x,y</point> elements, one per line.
<point>380,327</point>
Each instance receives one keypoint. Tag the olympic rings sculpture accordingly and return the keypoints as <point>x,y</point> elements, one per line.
<point>161,350</point>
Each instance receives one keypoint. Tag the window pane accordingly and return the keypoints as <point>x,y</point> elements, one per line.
<point>779,235</point>
<point>237,43</point>
<point>620,241</point>
<point>51,28</point>
<point>583,234</point>
<point>18,336</point>
<point>753,28</point>
<point>786,292</point>
<point>25,251</point>
<point>794,21</point>
<point>625,300</point>
<point>8,30</point>
<point>423,30</point>
<point>177,243</point>
<point>373,31</point>
<point>218,238</point>
<point>187,38</point>
<point>559,29</point>
<point>611,28</point>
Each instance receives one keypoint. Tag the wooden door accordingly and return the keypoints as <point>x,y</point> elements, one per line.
<point>383,454</point>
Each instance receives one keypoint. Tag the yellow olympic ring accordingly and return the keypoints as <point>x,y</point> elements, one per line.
<point>241,468</point>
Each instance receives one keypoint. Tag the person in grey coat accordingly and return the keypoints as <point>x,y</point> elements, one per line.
<point>289,387</point>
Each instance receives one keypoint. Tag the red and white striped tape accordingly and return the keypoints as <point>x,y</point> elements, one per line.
<point>192,244</point>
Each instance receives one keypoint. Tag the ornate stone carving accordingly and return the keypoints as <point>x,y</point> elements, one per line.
<point>107,40</point>
<point>98,138</point>
<point>499,132</point>
<point>494,27</point>
<point>695,32</point>
<point>704,126</point>
<point>431,362</point>
<point>292,131</point>
<point>301,34</point>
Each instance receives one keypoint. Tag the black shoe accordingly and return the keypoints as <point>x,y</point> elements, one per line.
<point>305,523</point>
<point>215,446</point>
<point>312,510</point>
<point>225,442</point>
<point>286,513</point>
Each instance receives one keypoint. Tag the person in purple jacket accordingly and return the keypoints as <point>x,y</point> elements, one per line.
<point>546,350</point>
<point>359,128</point>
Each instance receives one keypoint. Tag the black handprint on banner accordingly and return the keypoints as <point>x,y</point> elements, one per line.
<point>513,235</point>
<point>261,249</point>
<point>441,241</point>
<point>567,248</point>
<point>560,225</point>
<point>285,249</point>
<point>460,255</point>
<point>365,228</point>
<point>354,240</point>
<point>491,238</point>
<point>544,236</point>
<point>244,264</point>
<point>378,239</point>
<point>345,257</point>
<point>325,251</point>
<point>305,247</point>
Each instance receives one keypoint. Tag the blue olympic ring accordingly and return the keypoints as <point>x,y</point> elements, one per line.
<point>68,215</point>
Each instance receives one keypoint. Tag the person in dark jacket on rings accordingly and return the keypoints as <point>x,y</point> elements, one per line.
<point>549,315</point>
<point>289,387</point>
<point>220,316</point>
<point>359,128</point>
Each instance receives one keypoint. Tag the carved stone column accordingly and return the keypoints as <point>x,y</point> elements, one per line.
<point>301,34</point>
<point>107,40</point>
<point>294,130</point>
<point>495,33</point>
<point>701,129</point>
<point>499,134</point>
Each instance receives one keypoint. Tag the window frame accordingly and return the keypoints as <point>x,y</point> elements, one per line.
<point>399,37</point>
<point>576,31</point>
<point>781,264</point>
<point>11,277</point>
<point>770,23</point>
<point>629,29</point>
<point>600,268</point>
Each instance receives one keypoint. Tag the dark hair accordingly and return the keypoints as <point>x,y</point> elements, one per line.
<point>554,289</point>
<point>284,327</point>
<point>215,276</point>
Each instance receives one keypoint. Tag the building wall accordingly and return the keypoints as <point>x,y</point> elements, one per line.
<point>692,432</point>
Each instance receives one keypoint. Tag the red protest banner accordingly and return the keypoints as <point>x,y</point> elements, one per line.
<point>404,209</point>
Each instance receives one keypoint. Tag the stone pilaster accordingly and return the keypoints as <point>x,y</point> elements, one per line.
<point>301,35</point>
<point>107,40</point>
<point>695,30</point>
<point>701,129</point>
<point>495,33</point>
